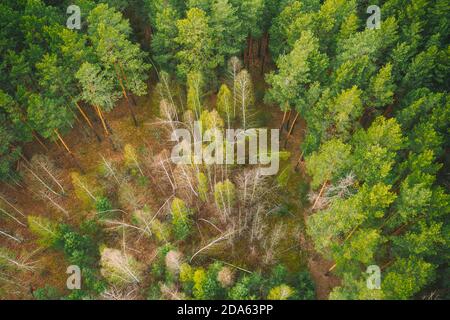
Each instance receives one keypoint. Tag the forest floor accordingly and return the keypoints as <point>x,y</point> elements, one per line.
<point>317,265</point>
<point>296,253</point>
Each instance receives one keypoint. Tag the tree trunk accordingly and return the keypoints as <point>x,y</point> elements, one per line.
<point>300,160</point>
<point>63,142</point>
<point>88,122</point>
<point>36,136</point>
<point>41,180</point>
<point>106,127</point>
<point>250,53</point>
<point>125,95</point>
<point>103,121</point>
<point>133,100</point>
<point>12,206</point>
<point>249,47</point>
<point>398,230</point>
<point>133,116</point>
<point>291,129</point>
<point>264,53</point>
<point>345,240</point>
<point>260,46</point>
<point>69,151</point>
<point>282,122</point>
<point>387,264</point>
<point>286,125</point>
<point>12,217</point>
<point>320,194</point>
<point>126,80</point>
<point>331,269</point>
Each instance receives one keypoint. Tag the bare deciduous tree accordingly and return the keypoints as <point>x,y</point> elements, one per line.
<point>234,67</point>
<point>127,293</point>
<point>120,268</point>
<point>271,242</point>
<point>173,261</point>
<point>244,91</point>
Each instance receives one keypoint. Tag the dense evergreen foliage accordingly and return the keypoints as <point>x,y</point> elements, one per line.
<point>377,159</point>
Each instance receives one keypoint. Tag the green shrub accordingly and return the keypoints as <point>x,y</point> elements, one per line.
<point>278,276</point>
<point>212,288</point>
<point>281,292</point>
<point>199,279</point>
<point>79,249</point>
<point>305,287</point>
<point>102,204</point>
<point>249,287</point>
<point>103,207</point>
<point>44,229</point>
<point>181,219</point>
<point>47,293</point>
<point>154,292</point>
<point>142,181</point>
<point>158,268</point>
<point>91,228</point>
<point>186,278</point>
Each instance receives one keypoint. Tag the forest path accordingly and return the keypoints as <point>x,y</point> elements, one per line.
<point>317,265</point>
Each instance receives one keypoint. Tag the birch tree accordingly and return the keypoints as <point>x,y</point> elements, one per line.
<point>44,229</point>
<point>225,104</point>
<point>195,85</point>
<point>244,91</point>
<point>225,196</point>
<point>181,219</point>
<point>234,67</point>
<point>120,268</point>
